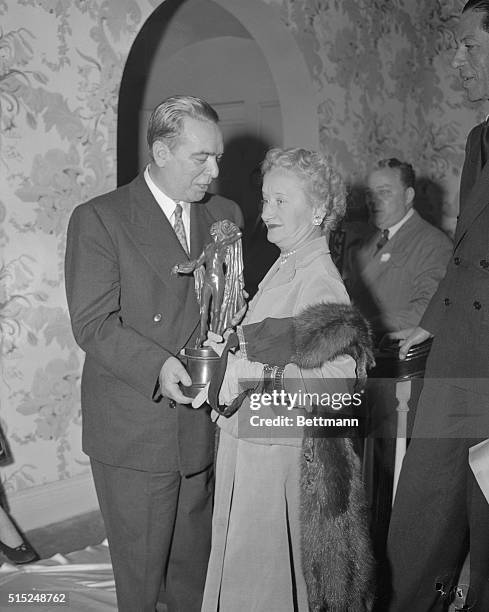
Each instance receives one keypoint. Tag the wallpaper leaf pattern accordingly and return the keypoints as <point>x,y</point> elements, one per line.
<point>58,112</point>
<point>384,86</point>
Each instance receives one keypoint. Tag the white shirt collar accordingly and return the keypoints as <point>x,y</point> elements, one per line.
<point>168,205</point>
<point>397,226</point>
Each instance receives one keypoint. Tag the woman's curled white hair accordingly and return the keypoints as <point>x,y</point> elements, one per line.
<point>323,183</point>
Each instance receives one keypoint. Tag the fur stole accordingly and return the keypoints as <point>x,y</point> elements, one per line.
<point>324,332</point>
<point>337,560</point>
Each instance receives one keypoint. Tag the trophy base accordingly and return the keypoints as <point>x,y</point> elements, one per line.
<point>201,363</point>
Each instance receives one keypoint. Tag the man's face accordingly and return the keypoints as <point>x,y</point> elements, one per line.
<point>472,56</point>
<point>389,200</point>
<point>186,171</point>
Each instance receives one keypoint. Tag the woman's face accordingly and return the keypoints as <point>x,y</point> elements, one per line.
<point>286,210</point>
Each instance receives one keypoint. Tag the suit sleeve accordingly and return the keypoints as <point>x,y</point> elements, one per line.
<point>93,292</point>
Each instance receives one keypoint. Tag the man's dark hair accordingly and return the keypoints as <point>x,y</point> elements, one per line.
<point>481,6</point>
<point>406,171</point>
<point>166,121</point>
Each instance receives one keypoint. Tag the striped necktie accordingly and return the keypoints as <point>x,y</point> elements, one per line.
<point>382,240</point>
<point>180,228</point>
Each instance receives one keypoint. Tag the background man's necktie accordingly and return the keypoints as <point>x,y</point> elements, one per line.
<point>180,228</point>
<point>383,240</point>
<point>484,143</point>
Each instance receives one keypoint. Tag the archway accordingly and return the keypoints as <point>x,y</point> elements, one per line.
<point>241,58</point>
<point>251,19</point>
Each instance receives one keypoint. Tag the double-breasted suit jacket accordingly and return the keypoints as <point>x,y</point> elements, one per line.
<point>392,287</point>
<point>438,499</point>
<point>458,314</point>
<point>129,314</point>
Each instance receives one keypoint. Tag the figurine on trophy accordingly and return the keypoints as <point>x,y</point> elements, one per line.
<point>219,286</point>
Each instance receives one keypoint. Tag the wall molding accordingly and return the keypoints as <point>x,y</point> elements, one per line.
<point>53,502</point>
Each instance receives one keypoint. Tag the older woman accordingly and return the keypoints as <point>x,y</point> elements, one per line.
<point>258,559</point>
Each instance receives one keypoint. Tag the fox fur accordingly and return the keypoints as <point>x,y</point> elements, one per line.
<point>325,331</point>
<point>336,552</point>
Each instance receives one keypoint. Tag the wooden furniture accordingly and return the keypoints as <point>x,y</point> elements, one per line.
<point>392,393</point>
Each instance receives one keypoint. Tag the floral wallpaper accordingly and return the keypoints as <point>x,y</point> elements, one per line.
<point>61,63</point>
<point>384,87</point>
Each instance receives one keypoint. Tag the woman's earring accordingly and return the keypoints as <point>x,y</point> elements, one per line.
<point>317,220</point>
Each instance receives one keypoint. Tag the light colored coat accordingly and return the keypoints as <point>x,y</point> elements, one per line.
<point>256,557</point>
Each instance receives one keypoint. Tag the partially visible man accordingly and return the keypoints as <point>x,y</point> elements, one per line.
<point>151,453</point>
<point>391,275</point>
<point>394,271</point>
<point>440,512</point>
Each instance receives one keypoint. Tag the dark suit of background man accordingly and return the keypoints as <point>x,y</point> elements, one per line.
<point>440,511</point>
<point>151,459</point>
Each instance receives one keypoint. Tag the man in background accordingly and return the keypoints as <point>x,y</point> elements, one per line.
<point>391,275</point>
<point>440,512</point>
<point>151,453</point>
<point>393,272</point>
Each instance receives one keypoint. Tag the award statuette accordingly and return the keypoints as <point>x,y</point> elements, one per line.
<point>219,284</point>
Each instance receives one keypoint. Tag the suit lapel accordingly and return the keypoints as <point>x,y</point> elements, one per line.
<point>153,235</point>
<point>472,164</point>
<point>200,223</point>
<point>367,261</point>
<point>476,199</point>
<point>373,266</point>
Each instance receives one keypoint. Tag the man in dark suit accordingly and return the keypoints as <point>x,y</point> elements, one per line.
<point>151,453</point>
<point>439,511</point>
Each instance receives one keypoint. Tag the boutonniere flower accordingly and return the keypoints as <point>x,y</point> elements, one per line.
<point>385,257</point>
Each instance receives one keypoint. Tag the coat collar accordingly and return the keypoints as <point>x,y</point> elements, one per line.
<point>476,199</point>
<point>283,272</point>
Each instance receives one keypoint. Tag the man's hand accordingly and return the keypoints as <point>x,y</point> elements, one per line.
<point>172,373</point>
<point>408,338</point>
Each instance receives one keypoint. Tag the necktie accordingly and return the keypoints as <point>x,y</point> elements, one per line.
<point>382,240</point>
<point>484,143</point>
<point>180,228</point>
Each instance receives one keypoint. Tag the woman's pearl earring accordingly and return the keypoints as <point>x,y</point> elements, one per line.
<point>317,220</point>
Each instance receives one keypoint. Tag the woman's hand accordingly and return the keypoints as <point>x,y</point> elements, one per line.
<point>216,342</point>
<point>201,397</point>
<point>241,374</point>
<point>239,316</point>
